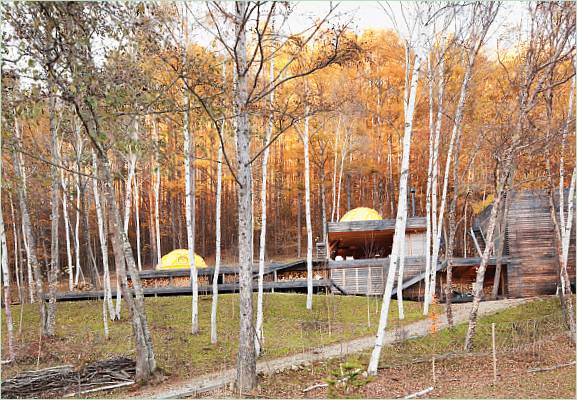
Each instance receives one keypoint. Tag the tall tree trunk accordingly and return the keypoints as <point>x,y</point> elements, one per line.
<point>246,366</point>
<point>501,190</point>
<point>565,293</point>
<point>55,221</point>
<point>145,360</point>
<point>308,209</point>
<point>6,273</point>
<point>69,265</point>
<point>455,139</point>
<point>17,269</point>
<point>213,313</point>
<point>299,219</point>
<point>137,220</point>
<point>103,236</point>
<point>336,157</point>
<point>190,190</point>
<point>262,243</point>
<point>501,248</point>
<point>79,148</point>
<point>156,193</point>
<point>401,220</point>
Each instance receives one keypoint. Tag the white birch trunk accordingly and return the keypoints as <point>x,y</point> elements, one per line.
<point>190,183</point>
<point>246,378</point>
<point>429,178</point>
<point>101,221</point>
<point>400,280</point>
<point>6,277</point>
<point>30,242</point>
<point>16,252</point>
<point>54,221</point>
<point>156,193</point>
<point>214,309</point>
<point>69,265</point>
<point>137,221</point>
<point>343,157</point>
<point>79,148</point>
<point>566,234</point>
<point>401,220</point>
<point>262,244</point>
<point>335,164</point>
<point>308,209</point>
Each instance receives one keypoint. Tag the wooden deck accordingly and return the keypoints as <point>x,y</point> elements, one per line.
<point>202,290</point>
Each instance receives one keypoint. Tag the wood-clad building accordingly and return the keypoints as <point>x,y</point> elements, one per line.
<point>359,253</point>
<point>533,266</point>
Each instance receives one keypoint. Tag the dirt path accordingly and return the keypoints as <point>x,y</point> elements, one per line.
<point>219,379</point>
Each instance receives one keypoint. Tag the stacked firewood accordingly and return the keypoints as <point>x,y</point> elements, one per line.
<point>64,381</point>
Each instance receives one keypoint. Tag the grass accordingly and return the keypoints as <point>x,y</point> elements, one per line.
<point>461,377</point>
<point>288,328</point>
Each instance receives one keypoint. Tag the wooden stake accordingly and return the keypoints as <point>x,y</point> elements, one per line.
<point>434,372</point>
<point>494,353</point>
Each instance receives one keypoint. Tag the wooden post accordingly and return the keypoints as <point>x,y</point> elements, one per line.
<point>434,372</point>
<point>494,354</point>
<point>275,279</point>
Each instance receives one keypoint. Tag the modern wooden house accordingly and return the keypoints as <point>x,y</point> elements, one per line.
<point>359,250</point>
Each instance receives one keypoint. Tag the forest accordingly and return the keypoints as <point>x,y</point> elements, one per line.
<point>133,129</point>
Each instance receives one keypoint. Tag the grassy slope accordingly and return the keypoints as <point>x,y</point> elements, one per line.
<point>406,376</point>
<point>289,328</point>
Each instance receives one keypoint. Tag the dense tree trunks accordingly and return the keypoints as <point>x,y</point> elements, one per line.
<point>103,237</point>
<point>246,378</point>
<point>145,360</point>
<point>54,221</point>
<point>401,220</point>
<point>30,241</point>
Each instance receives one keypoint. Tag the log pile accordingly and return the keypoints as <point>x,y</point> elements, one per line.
<point>64,381</point>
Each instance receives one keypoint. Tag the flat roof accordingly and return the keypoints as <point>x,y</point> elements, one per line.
<point>384,225</point>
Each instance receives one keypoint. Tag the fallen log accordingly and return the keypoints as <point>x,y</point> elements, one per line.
<point>552,368</point>
<point>417,394</point>
<point>313,387</point>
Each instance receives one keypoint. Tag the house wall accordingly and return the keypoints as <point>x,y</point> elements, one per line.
<point>534,264</point>
<point>368,276</point>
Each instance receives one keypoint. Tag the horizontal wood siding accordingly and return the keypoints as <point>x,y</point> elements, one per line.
<point>369,276</point>
<point>533,268</point>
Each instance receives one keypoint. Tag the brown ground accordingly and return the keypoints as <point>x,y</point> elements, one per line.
<point>459,377</point>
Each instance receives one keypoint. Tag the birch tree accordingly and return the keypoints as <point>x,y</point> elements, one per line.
<point>75,62</point>
<point>55,220</point>
<point>250,89</point>
<point>262,243</point>
<point>30,240</point>
<point>536,64</point>
<point>308,207</point>
<point>401,219</point>
<point>189,185</point>
<point>6,275</point>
